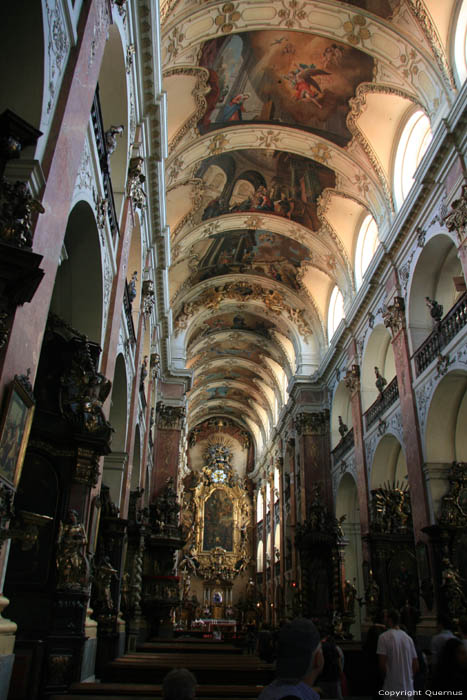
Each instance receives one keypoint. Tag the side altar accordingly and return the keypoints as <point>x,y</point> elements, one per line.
<point>215,563</point>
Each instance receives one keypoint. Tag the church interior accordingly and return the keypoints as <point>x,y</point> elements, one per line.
<point>233,356</point>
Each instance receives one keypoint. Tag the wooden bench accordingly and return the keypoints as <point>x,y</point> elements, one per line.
<point>186,646</point>
<point>216,669</point>
<point>141,691</point>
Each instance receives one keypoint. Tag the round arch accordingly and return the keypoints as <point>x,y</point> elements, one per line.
<point>378,353</point>
<point>114,106</point>
<point>78,296</point>
<point>114,464</point>
<point>389,464</point>
<point>433,277</point>
<point>445,434</point>
<point>341,406</point>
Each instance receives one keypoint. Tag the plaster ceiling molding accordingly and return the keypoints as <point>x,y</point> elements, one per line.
<point>85,178</point>
<point>361,29</point>
<point>438,44</point>
<point>278,300</point>
<point>186,101</point>
<point>233,409</point>
<point>57,39</point>
<point>235,221</point>
<point>356,181</point>
<point>223,389</point>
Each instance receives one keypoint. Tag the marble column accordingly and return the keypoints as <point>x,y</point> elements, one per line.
<point>169,426</point>
<point>394,319</point>
<point>314,451</point>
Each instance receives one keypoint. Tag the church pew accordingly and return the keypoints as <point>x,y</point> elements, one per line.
<point>196,646</point>
<point>140,690</point>
<point>209,669</point>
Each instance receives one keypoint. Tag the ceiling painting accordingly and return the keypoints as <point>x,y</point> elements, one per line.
<point>234,320</point>
<point>283,77</point>
<point>249,251</point>
<point>269,181</point>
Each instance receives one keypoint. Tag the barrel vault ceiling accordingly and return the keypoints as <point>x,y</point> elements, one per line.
<point>282,120</point>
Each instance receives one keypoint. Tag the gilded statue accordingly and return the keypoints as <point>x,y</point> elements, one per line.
<point>105,574</point>
<point>452,589</point>
<point>72,563</point>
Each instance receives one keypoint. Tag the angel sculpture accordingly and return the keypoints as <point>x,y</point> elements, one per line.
<point>303,80</point>
<point>71,560</point>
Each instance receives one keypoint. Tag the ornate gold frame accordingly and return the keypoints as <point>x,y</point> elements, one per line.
<point>242,510</point>
<point>20,396</point>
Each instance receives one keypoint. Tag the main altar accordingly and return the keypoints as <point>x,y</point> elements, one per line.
<point>214,563</point>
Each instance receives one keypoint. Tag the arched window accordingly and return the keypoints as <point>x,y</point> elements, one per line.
<point>415,139</point>
<point>460,44</point>
<point>367,243</point>
<point>336,311</point>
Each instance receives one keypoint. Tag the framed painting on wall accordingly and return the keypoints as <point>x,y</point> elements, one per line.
<point>14,429</point>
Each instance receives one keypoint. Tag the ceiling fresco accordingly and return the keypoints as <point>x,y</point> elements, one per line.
<point>282,120</point>
<point>269,181</point>
<point>257,252</point>
<point>282,77</point>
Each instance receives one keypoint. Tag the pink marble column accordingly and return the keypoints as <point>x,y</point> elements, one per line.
<point>394,319</point>
<point>352,382</point>
<point>60,165</point>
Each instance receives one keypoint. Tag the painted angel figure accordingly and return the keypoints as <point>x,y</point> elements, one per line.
<point>303,80</point>
<point>234,110</point>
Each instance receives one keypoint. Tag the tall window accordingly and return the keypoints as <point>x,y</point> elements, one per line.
<point>460,44</point>
<point>336,311</point>
<point>415,139</point>
<point>367,243</point>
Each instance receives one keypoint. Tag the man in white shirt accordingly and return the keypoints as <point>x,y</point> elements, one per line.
<point>440,639</point>
<point>397,657</point>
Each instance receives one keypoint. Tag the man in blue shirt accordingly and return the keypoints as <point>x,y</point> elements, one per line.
<point>299,662</point>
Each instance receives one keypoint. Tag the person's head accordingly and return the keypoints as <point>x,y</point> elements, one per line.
<point>392,618</point>
<point>452,657</point>
<point>299,652</point>
<point>179,684</point>
<point>444,622</point>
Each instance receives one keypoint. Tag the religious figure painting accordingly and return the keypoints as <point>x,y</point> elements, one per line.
<point>256,252</point>
<point>264,181</point>
<point>15,432</point>
<point>218,521</point>
<point>286,77</point>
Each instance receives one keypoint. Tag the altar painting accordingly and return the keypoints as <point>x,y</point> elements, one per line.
<point>218,521</point>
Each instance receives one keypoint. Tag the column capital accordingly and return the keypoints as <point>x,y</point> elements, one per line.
<point>315,423</point>
<point>169,417</point>
<point>394,316</point>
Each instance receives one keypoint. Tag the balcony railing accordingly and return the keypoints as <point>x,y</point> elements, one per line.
<point>449,327</point>
<point>129,317</point>
<point>99,135</point>
<point>384,400</point>
<point>343,446</point>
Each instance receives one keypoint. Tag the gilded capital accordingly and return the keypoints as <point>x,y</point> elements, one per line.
<point>169,417</point>
<point>312,423</point>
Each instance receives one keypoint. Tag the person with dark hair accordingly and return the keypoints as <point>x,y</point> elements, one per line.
<point>397,656</point>
<point>179,684</point>
<point>439,640</point>
<point>451,670</point>
<point>299,662</point>
<point>328,681</point>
